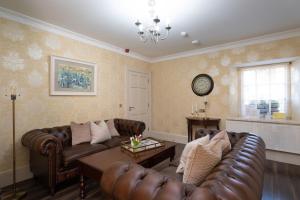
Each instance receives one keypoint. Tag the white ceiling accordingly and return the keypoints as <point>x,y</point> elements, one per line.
<point>212,22</point>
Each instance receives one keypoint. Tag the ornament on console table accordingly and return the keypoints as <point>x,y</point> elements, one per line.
<point>200,112</point>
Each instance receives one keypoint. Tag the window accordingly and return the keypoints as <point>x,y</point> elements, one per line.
<point>265,90</point>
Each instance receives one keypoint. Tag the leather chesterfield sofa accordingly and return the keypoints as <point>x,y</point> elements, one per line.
<point>53,159</point>
<point>239,176</point>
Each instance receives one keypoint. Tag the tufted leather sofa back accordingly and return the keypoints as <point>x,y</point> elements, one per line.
<point>239,176</point>
<point>233,137</point>
<point>64,133</point>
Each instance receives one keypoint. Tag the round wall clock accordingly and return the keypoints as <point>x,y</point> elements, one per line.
<point>202,85</point>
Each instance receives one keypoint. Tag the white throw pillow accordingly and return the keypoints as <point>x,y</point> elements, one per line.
<point>112,129</point>
<point>99,133</point>
<point>201,160</point>
<point>188,147</point>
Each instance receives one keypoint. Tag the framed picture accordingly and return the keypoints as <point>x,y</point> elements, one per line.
<point>72,77</point>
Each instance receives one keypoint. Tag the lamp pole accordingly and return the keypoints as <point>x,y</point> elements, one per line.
<point>15,195</point>
<point>13,98</point>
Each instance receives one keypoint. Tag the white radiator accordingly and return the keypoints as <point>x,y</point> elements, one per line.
<point>278,136</point>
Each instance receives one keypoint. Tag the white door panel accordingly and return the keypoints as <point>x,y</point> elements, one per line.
<point>138,96</point>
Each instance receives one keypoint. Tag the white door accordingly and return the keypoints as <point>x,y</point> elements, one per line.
<point>138,97</point>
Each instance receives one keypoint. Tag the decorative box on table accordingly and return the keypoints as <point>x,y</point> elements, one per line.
<point>145,144</point>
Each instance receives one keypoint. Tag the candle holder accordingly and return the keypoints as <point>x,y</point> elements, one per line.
<point>197,112</point>
<point>14,195</point>
<point>205,109</point>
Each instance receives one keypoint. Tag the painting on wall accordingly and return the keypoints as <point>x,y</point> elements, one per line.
<point>72,77</point>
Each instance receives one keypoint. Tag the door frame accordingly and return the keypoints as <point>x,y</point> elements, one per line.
<point>126,103</point>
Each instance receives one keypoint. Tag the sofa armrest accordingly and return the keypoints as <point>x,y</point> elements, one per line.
<point>41,142</point>
<point>127,127</point>
<point>131,181</point>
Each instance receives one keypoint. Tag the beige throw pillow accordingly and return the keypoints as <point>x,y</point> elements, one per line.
<point>112,129</point>
<point>80,133</point>
<point>226,147</point>
<point>99,133</point>
<point>201,160</point>
<point>188,147</point>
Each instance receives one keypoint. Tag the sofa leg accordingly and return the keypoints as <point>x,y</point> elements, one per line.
<point>52,191</point>
<point>82,187</point>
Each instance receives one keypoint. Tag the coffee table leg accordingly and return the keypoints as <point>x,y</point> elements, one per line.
<point>82,187</point>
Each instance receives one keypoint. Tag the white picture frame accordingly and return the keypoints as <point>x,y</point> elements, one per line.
<point>72,77</point>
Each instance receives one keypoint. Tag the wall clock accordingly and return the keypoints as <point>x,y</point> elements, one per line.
<point>202,85</point>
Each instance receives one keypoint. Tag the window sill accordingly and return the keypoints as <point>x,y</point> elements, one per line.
<point>270,121</point>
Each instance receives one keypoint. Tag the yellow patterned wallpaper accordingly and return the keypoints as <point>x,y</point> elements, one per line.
<point>172,97</point>
<point>24,61</point>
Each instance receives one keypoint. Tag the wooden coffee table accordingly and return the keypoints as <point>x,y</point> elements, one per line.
<point>93,165</point>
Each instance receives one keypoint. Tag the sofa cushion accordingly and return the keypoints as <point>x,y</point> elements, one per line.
<point>99,132</point>
<point>115,141</point>
<point>71,154</point>
<point>223,136</point>
<point>81,133</point>
<point>189,147</point>
<point>201,160</point>
<point>111,127</point>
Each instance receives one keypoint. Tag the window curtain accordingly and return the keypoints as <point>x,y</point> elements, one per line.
<point>265,89</point>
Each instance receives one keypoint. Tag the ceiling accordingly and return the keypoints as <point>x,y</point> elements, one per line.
<point>212,22</point>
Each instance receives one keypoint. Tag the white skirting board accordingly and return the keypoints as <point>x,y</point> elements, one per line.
<point>22,173</point>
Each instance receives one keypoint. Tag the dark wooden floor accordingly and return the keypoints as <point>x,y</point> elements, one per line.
<point>69,191</point>
<point>282,182</point>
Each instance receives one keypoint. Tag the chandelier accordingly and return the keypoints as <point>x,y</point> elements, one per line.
<point>152,31</point>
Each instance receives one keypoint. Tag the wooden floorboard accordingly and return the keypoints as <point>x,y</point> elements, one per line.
<point>281,182</point>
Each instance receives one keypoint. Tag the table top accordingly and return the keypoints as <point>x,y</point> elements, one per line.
<point>104,159</point>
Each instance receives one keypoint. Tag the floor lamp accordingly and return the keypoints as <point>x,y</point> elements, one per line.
<point>14,195</point>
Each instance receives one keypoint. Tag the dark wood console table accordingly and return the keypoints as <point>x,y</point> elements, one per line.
<point>205,122</point>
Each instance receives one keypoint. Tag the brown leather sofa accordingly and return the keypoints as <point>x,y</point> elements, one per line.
<point>53,158</point>
<point>239,176</point>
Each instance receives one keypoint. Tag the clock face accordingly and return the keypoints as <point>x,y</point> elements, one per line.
<point>202,85</point>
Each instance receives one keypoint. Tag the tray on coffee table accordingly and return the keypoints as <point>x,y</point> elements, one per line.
<point>146,144</point>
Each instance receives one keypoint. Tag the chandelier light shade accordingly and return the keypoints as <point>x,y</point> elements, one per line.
<point>152,31</point>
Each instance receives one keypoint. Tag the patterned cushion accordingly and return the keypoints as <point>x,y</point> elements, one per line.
<point>201,160</point>
<point>188,147</point>
<point>226,147</point>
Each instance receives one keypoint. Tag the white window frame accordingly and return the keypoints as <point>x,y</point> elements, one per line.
<point>288,95</point>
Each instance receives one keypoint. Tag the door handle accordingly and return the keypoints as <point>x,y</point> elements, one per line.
<point>131,108</point>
